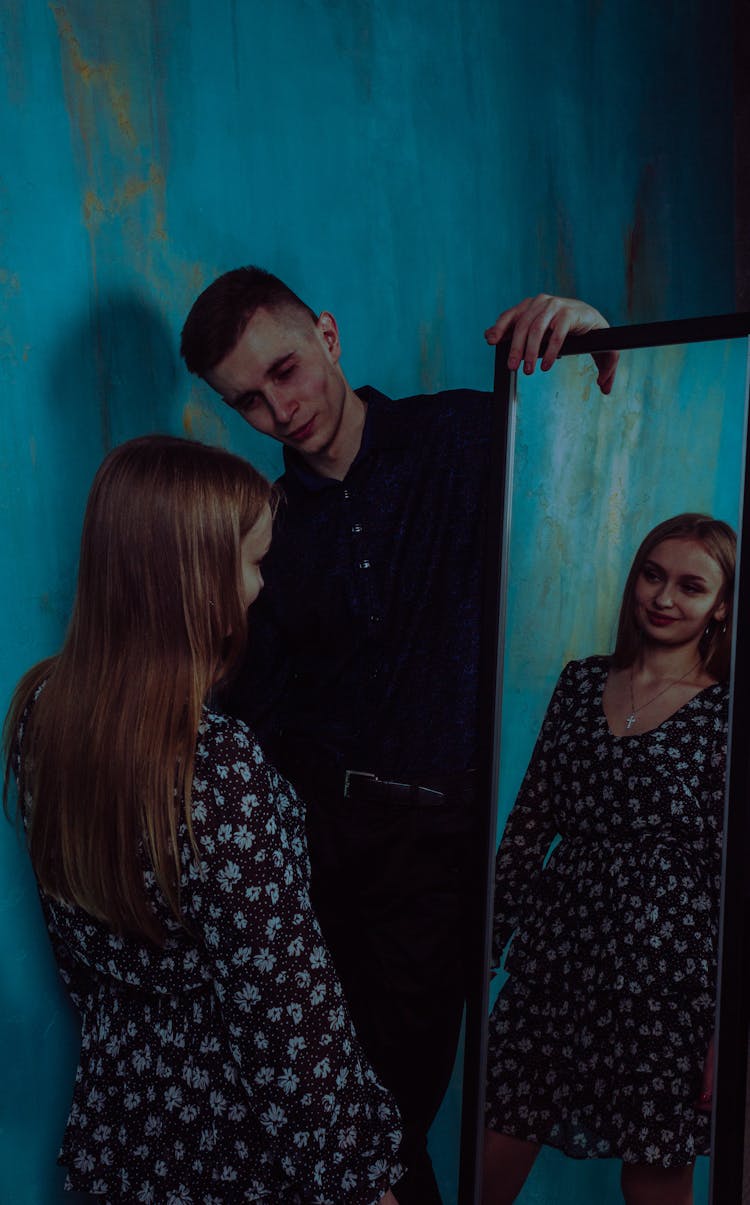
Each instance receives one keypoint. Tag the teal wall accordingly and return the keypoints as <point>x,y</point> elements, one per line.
<point>412,167</point>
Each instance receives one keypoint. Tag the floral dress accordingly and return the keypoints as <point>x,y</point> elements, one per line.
<point>223,1068</point>
<point>598,1039</point>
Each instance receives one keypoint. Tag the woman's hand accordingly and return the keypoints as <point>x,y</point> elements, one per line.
<point>388,1199</point>
<point>704,1102</point>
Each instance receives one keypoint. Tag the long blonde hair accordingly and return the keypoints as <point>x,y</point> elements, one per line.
<point>108,747</point>
<point>720,542</point>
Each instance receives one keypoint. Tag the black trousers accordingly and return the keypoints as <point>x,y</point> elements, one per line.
<point>389,886</point>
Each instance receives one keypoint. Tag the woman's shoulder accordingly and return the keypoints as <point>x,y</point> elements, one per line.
<point>714,701</point>
<point>718,692</point>
<point>585,672</point>
<point>227,749</point>
<point>230,766</point>
<point>218,732</point>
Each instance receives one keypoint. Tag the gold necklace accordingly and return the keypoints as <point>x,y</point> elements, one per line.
<point>630,720</point>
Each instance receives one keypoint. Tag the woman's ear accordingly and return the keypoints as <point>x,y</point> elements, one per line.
<point>720,613</point>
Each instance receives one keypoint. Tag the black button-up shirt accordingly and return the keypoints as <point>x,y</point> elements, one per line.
<point>364,644</point>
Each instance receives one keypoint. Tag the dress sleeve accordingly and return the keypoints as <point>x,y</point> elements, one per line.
<point>333,1128</point>
<point>530,827</point>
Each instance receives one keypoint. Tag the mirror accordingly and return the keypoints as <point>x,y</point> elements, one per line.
<point>587,478</point>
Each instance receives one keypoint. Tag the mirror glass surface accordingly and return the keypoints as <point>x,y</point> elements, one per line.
<point>591,476</point>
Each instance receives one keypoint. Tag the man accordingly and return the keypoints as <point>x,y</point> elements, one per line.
<point>361,677</point>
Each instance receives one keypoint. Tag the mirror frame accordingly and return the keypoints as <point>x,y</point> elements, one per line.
<point>733,986</point>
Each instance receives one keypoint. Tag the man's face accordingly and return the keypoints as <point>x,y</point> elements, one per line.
<point>284,378</point>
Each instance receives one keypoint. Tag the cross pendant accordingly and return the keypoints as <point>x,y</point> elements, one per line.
<point>630,720</point>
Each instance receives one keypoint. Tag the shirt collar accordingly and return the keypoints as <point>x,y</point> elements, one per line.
<point>384,428</point>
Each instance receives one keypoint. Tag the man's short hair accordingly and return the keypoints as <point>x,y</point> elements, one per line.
<point>223,310</point>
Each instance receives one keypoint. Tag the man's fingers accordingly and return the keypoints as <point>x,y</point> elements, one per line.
<point>499,329</point>
<point>519,343</point>
<point>529,331</point>
<point>559,329</point>
<point>606,362</point>
<point>537,331</point>
<point>539,326</point>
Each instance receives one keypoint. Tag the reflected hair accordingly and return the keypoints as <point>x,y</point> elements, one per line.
<point>105,732</point>
<point>222,311</point>
<point>720,542</point>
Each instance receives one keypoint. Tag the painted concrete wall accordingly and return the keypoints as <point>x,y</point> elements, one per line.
<point>413,167</point>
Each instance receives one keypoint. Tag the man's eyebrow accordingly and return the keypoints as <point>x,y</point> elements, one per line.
<point>279,362</point>
<point>242,398</point>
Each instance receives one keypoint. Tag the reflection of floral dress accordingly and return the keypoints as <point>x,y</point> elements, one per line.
<point>598,1039</point>
<point>223,1068</point>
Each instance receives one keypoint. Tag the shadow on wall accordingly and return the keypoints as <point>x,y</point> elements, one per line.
<point>128,355</point>
<point>111,374</point>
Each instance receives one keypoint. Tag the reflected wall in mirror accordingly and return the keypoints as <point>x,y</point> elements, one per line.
<point>594,1034</point>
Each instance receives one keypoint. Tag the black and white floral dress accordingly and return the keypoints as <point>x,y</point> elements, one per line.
<point>598,1038</point>
<point>223,1068</point>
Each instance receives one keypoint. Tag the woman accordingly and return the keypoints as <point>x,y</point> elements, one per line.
<point>218,1063</point>
<point>600,1044</point>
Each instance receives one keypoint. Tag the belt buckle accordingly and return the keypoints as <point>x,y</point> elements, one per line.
<point>416,793</point>
<point>349,774</point>
<point>439,796</point>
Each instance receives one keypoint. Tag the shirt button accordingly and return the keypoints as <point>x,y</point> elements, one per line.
<point>347,495</point>
<point>357,528</point>
<point>364,564</point>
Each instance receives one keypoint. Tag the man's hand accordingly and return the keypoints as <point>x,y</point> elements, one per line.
<point>541,324</point>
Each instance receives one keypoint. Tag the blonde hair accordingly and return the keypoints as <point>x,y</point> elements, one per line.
<point>108,747</point>
<point>720,542</point>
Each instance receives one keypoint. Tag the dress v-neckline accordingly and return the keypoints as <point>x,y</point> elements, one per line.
<point>646,731</point>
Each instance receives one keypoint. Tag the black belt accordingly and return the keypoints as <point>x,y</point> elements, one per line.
<point>431,792</point>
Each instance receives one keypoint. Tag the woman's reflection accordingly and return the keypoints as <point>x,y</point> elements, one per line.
<point>601,1042</point>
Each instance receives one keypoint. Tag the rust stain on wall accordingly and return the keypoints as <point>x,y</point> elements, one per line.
<point>91,74</point>
<point>96,210</point>
<point>565,272</point>
<point>13,72</point>
<point>633,256</point>
<point>647,266</point>
<point>9,281</point>
<point>122,184</point>
<point>431,343</point>
<point>188,415</point>
<point>198,422</point>
<point>555,239</point>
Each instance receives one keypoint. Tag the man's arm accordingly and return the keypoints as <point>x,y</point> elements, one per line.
<point>543,323</point>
